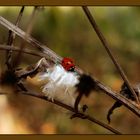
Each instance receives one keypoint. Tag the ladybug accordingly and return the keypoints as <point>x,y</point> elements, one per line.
<point>68,64</point>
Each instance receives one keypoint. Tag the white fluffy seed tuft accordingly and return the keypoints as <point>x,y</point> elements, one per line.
<point>60,85</point>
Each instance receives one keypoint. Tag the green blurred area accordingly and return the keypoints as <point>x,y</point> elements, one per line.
<point>67,31</point>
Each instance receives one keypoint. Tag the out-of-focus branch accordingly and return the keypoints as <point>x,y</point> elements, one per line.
<point>3,91</point>
<point>28,32</point>
<point>54,57</point>
<point>11,38</point>
<point>106,46</point>
<point>81,115</point>
<point>27,51</point>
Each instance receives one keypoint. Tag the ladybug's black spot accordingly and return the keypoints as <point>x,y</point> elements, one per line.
<point>72,69</point>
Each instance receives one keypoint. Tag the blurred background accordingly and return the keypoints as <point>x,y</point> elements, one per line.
<point>67,31</point>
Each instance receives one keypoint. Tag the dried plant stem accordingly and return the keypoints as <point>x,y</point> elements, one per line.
<point>11,38</point>
<point>54,57</point>
<point>17,49</point>
<point>105,44</point>
<point>28,32</point>
<point>73,110</point>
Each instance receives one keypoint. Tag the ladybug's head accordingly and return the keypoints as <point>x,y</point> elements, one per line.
<point>68,64</point>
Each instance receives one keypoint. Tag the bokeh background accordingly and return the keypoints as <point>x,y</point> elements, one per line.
<point>67,31</point>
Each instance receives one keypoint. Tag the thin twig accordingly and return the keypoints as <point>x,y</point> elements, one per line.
<point>54,57</point>
<point>11,38</point>
<point>73,110</point>
<point>28,32</point>
<point>27,51</point>
<point>105,44</point>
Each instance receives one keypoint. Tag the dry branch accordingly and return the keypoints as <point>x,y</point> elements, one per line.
<point>11,38</point>
<point>54,57</point>
<point>106,46</point>
<point>49,53</point>
<point>28,32</point>
<point>81,115</point>
<point>17,49</point>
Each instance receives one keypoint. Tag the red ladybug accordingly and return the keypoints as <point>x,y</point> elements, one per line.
<point>68,64</point>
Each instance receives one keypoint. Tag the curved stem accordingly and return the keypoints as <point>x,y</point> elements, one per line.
<point>73,110</point>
